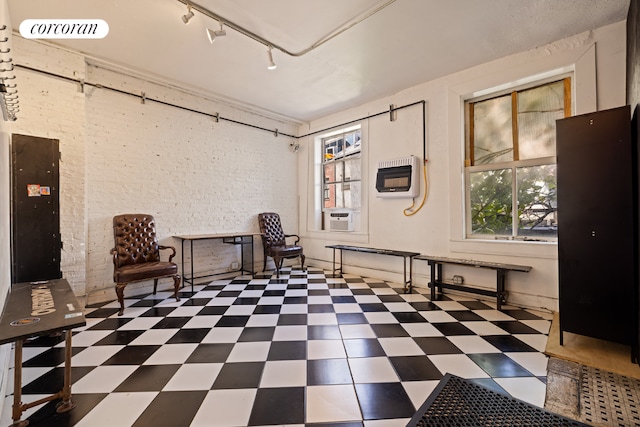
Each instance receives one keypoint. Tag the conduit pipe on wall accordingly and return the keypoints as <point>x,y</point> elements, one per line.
<point>144,98</point>
<point>217,117</point>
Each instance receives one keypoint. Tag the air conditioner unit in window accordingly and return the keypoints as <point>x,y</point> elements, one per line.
<point>338,220</point>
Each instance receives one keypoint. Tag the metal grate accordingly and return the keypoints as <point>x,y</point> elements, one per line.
<point>609,399</point>
<point>457,402</point>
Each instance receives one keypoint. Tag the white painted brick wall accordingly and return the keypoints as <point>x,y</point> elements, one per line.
<point>122,156</point>
<point>54,108</point>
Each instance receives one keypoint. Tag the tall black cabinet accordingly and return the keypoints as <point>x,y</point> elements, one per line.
<point>597,233</point>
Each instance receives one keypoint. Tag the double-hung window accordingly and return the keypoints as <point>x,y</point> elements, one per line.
<point>510,163</point>
<point>342,171</point>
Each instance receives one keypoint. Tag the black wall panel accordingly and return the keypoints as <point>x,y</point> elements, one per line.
<point>596,233</point>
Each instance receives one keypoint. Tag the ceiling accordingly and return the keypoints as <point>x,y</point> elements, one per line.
<point>405,43</point>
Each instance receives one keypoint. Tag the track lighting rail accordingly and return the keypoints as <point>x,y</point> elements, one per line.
<point>269,44</point>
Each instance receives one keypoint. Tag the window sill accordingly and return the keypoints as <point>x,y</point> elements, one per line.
<point>342,236</point>
<point>514,248</point>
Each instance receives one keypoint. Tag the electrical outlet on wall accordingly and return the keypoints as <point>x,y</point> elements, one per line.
<point>234,265</point>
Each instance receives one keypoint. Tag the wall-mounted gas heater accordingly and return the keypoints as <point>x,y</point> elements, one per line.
<point>399,178</point>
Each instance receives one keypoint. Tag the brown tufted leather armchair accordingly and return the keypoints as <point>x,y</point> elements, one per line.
<point>136,255</point>
<point>274,241</point>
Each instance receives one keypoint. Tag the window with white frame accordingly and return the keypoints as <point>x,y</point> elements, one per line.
<point>510,163</point>
<point>342,171</point>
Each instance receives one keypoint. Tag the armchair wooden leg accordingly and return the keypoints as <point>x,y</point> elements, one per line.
<point>176,286</point>
<point>278,263</point>
<point>155,285</point>
<point>120,294</point>
<point>302,257</point>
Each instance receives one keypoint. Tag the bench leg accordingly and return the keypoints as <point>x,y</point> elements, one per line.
<point>501,295</point>
<point>334,264</point>
<point>432,282</point>
<point>407,283</point>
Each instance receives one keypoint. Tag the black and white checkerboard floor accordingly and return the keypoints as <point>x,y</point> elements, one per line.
<point>305,349</point>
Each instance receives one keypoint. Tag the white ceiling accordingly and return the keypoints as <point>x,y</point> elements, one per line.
<point>406,43</point>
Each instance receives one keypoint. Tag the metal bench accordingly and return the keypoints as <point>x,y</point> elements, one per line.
<point>501,269</point>
<point>408,259</point>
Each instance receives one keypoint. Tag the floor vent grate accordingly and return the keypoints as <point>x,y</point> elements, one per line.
<point>609,399</point>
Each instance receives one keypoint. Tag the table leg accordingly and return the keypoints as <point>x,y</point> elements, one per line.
<point>17,387</point>
<point>66,404</point>
<point>246,241</point>
<point>242,258</point>
<point>192,273</point>
<point>184,276</point>
<point>253,272</point>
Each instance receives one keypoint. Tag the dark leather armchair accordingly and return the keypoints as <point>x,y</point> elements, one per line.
<point>136,255</point>
<point>274,241</point>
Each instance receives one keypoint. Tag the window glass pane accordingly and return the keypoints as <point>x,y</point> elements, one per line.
<point>331,194</point>
<point>352,170</point>
<point>333,172</point>
<point>328,151</point>
<point>490,197</point>
<point>352,193</point>
<point>538,110</point>
<point>537,202</point>
<point>345,195</point>
<point>352,142</point>
<point>334,147</point>
<point>493,141</point>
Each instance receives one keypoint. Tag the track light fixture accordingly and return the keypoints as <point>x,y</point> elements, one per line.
<point>211,34</point>
<point>272,65</point>
<point>188,15</point>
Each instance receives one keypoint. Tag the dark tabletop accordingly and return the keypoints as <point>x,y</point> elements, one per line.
<point>39,308</point>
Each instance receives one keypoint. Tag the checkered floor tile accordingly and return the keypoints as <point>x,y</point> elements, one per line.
<point>302,350</point>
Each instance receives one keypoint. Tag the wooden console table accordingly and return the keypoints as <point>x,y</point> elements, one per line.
<point>38,309</point>
<point>242,239</point>
<point>408,260</point>
<point>501,269</point>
